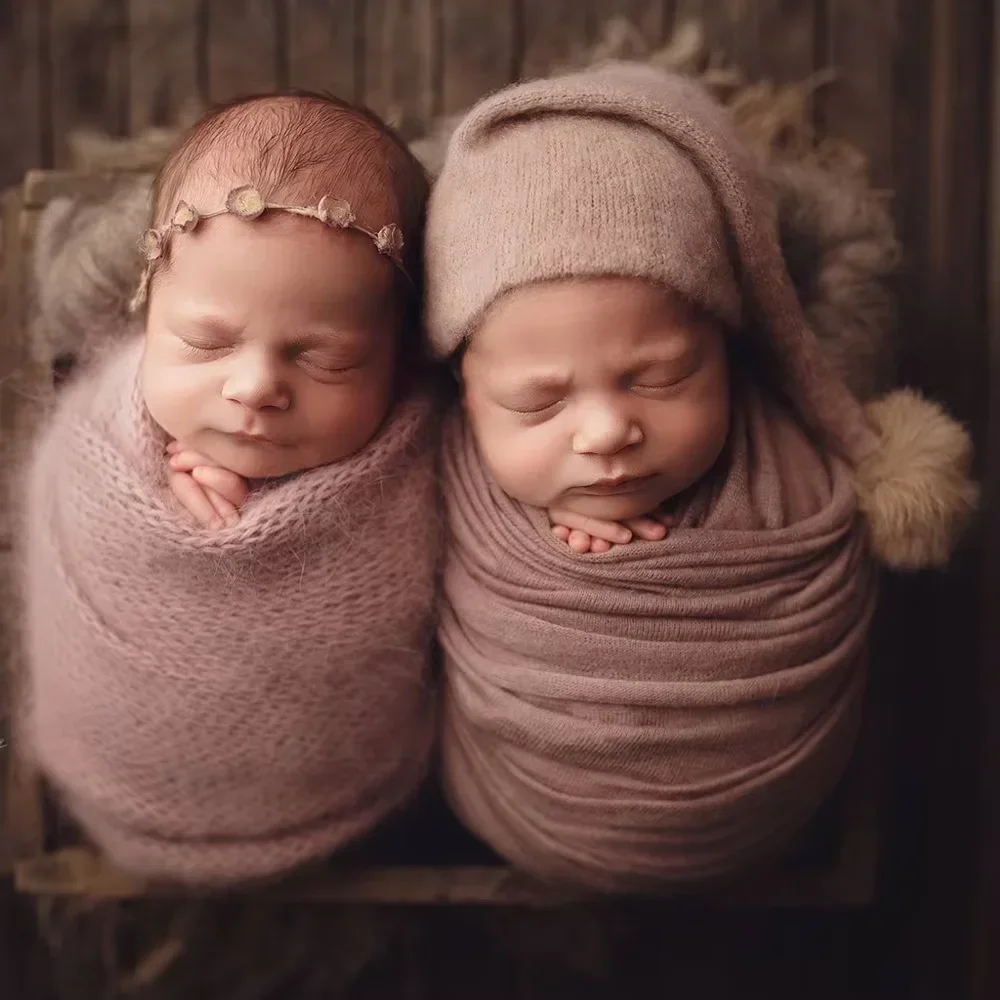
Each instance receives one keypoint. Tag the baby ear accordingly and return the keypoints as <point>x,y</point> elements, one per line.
<point>915,489</point>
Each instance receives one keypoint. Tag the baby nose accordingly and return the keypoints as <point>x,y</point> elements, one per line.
<point>256,383</point>
<point>605,430</point>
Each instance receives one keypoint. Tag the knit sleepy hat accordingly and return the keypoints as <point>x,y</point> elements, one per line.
<point>622,170</point>
<point>570,195</point>
<point>629,170</point>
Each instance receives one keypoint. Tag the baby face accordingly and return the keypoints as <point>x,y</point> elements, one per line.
<point>604,397</point>
<point>271,345</point>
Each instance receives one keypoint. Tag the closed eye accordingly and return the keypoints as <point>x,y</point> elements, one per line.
<point>327,364</point>
<point>203,348</point>
<point>534,409</point>
<point>661,386</point>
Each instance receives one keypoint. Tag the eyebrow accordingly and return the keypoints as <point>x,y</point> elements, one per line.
<point>652,358</point>
<point>214,324</point>
<point>538,383</point>
<point>328,336</point>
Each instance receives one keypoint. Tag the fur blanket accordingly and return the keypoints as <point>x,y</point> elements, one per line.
<point>225,706</point>
<point>836,232</point>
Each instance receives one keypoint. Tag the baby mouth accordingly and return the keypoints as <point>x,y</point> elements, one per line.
<point>252,437</point>
<point>617,485</point>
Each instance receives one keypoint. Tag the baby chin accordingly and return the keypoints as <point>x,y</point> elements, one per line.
<point>253,459</point>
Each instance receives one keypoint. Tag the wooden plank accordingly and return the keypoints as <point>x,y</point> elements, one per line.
<point>478,52</point>
<point>242,47</point>
<point>785,39</point>
<point>8,622</point>
<point>22,834</point>
<point>21,824</point>
<point>25,385</point>
<point>88,41</point>
<point>941,171</point>
<point>41,186</point>
<point>21,137</point>
<point>11,337</point>
<point>321,46</point>
<point>767,39</point>
<point>400,80</point>
<point>12,316</point>
<point>860,46</point>
<point>163,83</point>
<point>985,959</point>
<point>555,32</point>
<point>80,871</point>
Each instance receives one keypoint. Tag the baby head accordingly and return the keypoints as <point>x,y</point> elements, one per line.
<point>275,339</point>
<point>579,260</point>
<point>602,258</point>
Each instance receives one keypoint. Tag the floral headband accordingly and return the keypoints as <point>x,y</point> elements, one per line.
<point>247,203</point>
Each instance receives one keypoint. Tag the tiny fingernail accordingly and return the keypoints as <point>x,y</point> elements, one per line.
<point>232,520</point>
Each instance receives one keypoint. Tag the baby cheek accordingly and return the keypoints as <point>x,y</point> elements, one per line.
<point>171,396</point>
<point>702,433</point>
<point>525,464</point>
<point>345,414</point>
<point>513,455</point>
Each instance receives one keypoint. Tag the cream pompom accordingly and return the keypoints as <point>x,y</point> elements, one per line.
<point>916,489</point>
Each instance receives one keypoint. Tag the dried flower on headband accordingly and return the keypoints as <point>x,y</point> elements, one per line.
<point>247,203</point>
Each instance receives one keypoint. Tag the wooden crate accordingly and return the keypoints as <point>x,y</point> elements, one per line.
<point>834,865</point>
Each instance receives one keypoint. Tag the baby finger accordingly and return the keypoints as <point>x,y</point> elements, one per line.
<point>223,482</point>
<point>647,528</point>
<point>229,514</point>
<point>610,531</point>
<point>194,500</point>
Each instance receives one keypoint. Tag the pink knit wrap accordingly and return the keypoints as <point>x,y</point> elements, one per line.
<point>217,707</point>
<point>668,711</point>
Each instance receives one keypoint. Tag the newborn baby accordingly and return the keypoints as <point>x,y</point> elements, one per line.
<point>227,643</point>
<point>603,264</point>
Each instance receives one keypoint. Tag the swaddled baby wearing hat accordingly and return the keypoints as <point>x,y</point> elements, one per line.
<point>664,507</point>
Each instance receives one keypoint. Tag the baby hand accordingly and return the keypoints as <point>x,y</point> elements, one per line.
<point>211,494</point>
<point>588,534</point>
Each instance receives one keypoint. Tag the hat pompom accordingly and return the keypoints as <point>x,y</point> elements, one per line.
<point>916,489</point>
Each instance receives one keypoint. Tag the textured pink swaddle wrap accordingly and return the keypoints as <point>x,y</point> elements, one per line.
<point>222,706</point>
<point>668,711</point>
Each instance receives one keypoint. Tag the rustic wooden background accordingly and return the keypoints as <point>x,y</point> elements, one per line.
<point>913,93</point>
<point>124,65</point>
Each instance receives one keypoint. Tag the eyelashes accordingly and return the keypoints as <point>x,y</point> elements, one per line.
<point>202,350</point>
<point>309,360</point>
<point>327,366</point>
<point>534,411</point>
<point>654,390</point>
<point>661,388</point>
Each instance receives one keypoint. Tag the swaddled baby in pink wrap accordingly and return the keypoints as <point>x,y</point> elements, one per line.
<point>662,501</point>
<point>230,529</point>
